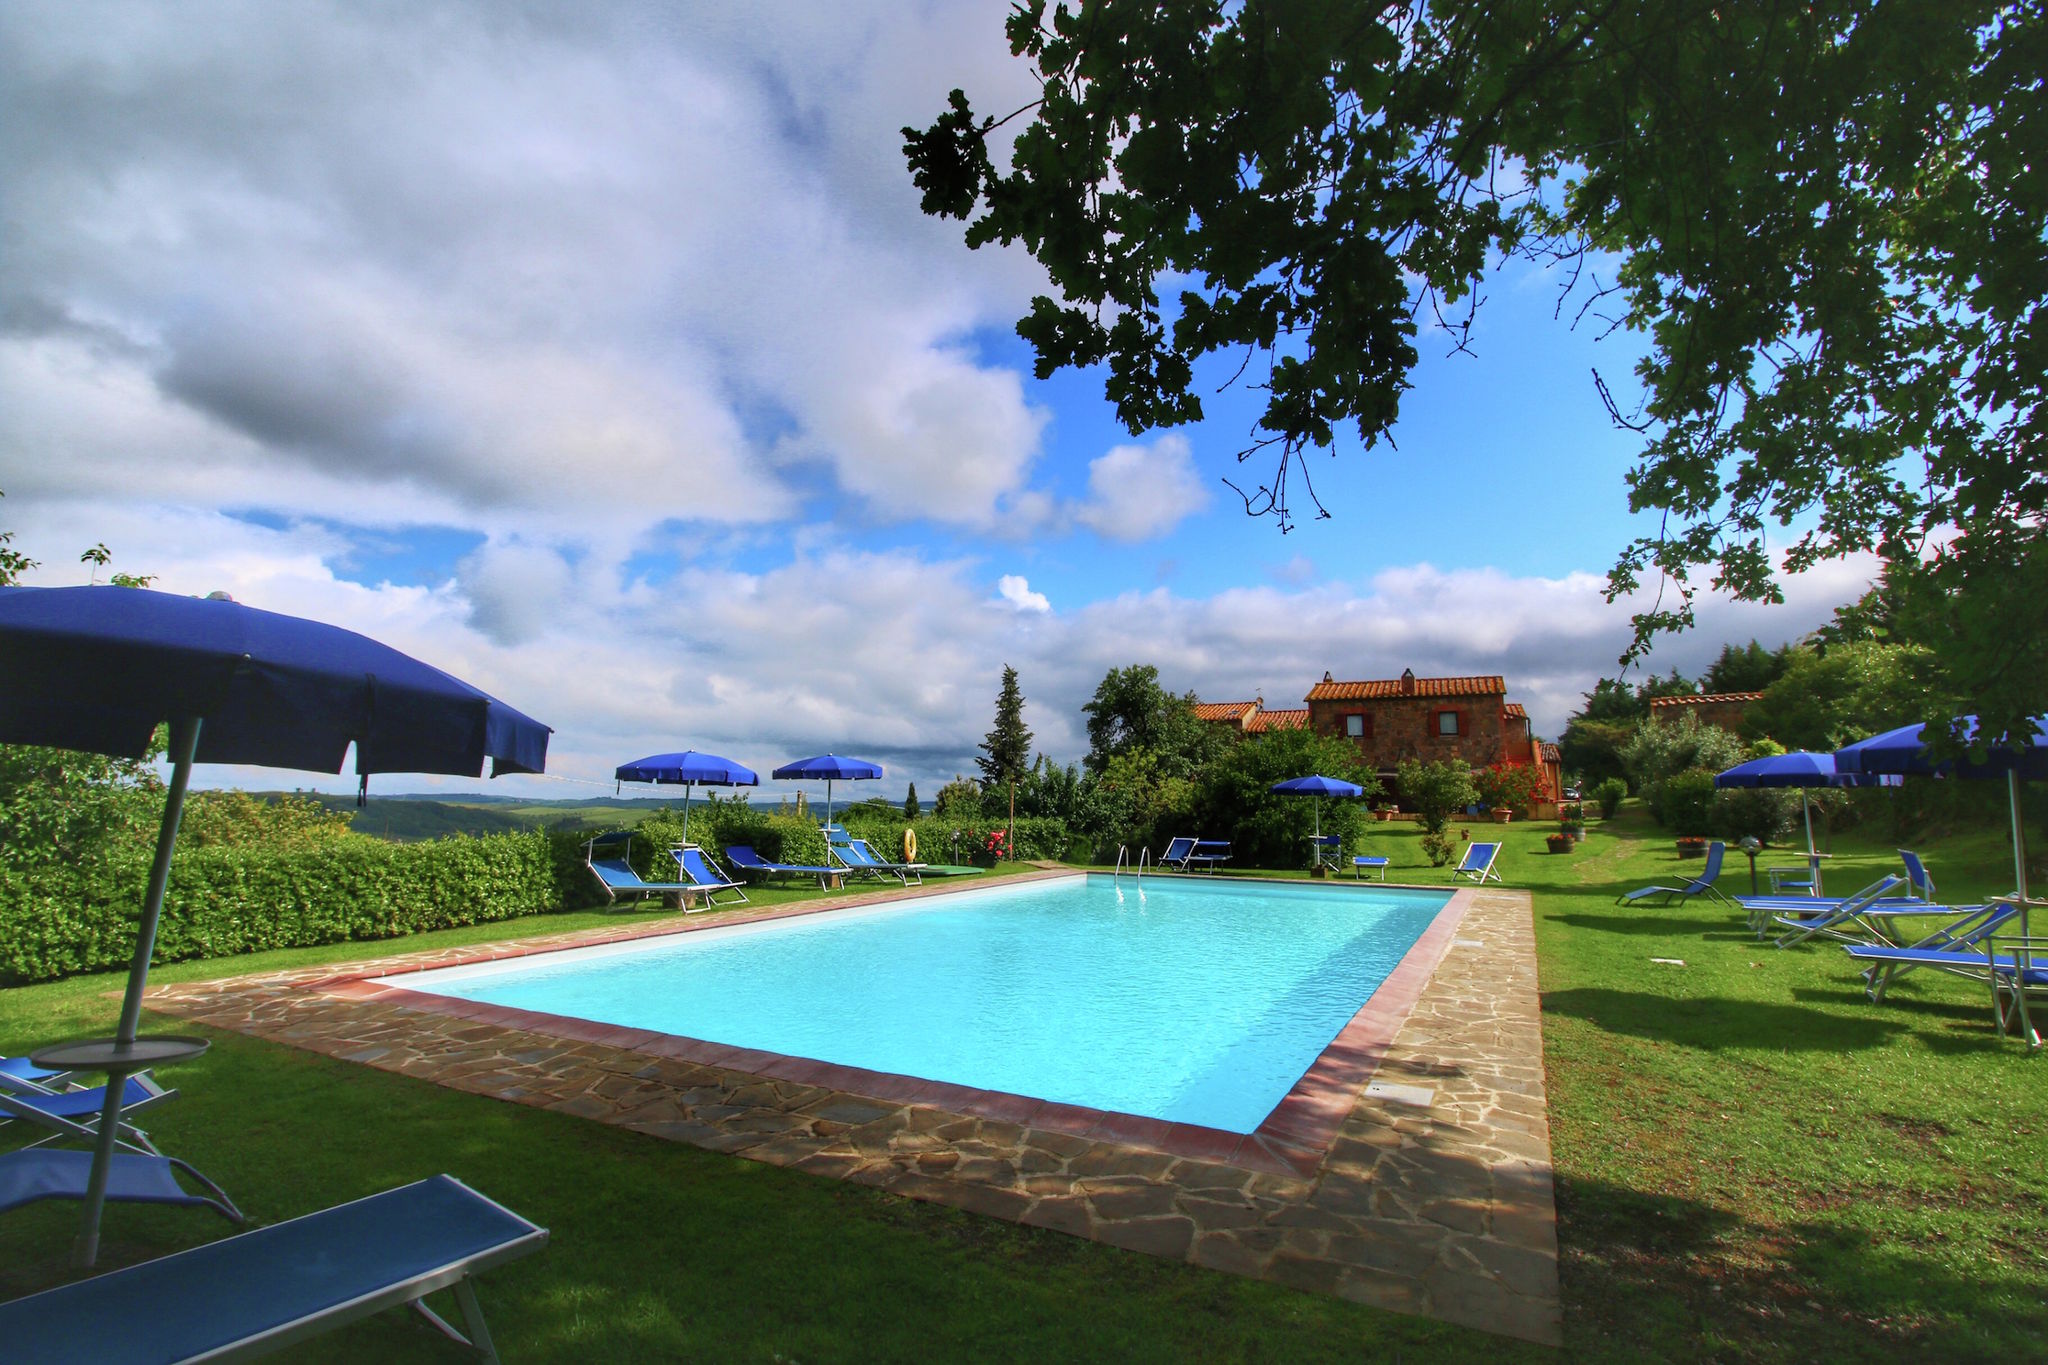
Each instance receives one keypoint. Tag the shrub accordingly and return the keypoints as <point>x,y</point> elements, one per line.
<point>1508,786</point>
<point>784,837</point>
<point>958,798</point>
<point>216,818</point>
<point>1438,846</point>
<point>1663,749</point>
<point>1762,813</point>
<point>1609,795</point>
<point>1436,792</point>
<point>1234,800</point>
<point>227,899</point>
<point>1684,801</point>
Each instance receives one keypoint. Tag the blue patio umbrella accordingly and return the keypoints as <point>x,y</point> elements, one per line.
<point>99,668</point>
<point>1316,785</point>
<point>1796,769</point>
<point>688,768</point>
<point>1905,751</point>
<point>829,768</point>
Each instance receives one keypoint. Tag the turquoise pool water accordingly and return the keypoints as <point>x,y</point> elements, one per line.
<point>1203,1002</point>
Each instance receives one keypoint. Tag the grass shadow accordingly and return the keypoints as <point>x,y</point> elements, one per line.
<point>1717,1023</point>
<point>1654,1276</point>
<point>1617,924</point>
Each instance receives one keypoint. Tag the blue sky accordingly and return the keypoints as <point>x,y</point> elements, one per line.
<point>602,357</point>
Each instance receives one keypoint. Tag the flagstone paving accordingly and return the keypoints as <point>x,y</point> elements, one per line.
<point>1426,1190</point>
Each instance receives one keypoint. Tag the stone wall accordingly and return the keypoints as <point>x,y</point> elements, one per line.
<point>1405,728</point>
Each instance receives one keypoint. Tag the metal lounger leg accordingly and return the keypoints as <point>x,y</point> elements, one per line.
<point>479,1338</point>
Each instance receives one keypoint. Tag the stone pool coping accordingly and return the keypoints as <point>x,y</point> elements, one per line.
<point>1428,1195</point>
<point>1293,1138</point>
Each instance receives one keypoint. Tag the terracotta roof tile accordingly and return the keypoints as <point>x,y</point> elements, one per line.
<point>1513,711</point>
<point>1221,710</point>
<point>1381,689</point>
<point>1278,720</point>
<point>1553,754</point>
<point>1706,698</point>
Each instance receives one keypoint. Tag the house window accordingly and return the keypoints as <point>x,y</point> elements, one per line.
<point>1358,725</point>
<point>1447,723</point>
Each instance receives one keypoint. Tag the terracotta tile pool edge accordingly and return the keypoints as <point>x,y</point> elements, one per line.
<point>1292,1140</point>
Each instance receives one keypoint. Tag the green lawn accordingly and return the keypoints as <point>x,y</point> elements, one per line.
<point>1754,1164</point>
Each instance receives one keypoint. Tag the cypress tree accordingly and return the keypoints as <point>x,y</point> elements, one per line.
<point>1007,750</point>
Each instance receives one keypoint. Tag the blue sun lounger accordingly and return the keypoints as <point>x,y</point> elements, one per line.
<point>2013,975</point>
<point>256,1293</point>
<point>1363,862</point>
<point>706,878</point>
<point>1919,889</point>
<point>1763,911</point>
<point>1702,885</point>
<point>1188,854</point>
<point>1478,864</point>
<point>752,864</point>
<point>1865,918</point>
<point>74,1114</point>
<point>22,1069</point>
<point>858,857</point>
<point>607,857</point>
<point>910,872</point>
<point>854,862</point>
<point>1957,947</point>
<point>34,1173</point>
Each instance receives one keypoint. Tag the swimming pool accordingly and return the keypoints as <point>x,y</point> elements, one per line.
<point>1202,1001</point>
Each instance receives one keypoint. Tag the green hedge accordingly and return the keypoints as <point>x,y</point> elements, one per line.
<point>55,921</point>
<point>791,838</point>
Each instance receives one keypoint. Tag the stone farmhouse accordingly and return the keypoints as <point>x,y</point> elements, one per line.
<point>1713,708</point>
<point>1394,719</point>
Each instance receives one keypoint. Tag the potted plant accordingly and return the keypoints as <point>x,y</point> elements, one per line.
<point>986,850</point>
<point>1571,820</point>
<point>1506,786</point>
<point>1692,846</point>
<point>1559,843</point>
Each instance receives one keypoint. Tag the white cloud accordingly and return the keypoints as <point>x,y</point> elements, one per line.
<point>889,655</point>
<point>1138,492</point>
<point>548,273</point>
<point>1017,592</point>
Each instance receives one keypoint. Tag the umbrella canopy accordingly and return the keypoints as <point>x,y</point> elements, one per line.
<point>688,768</point>
<point>829,767</point>
<point>1316,785</point>
<point>1905,750</point>
<point>100,668</point>
<point>1796,769</point>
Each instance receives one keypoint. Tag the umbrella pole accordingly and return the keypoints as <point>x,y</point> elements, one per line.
<point>2019,844</point>
<point>184,743</point>
<point>1812,858</point>
<point>687,786</point>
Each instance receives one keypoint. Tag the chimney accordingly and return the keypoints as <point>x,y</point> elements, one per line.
<point>1407,682</point>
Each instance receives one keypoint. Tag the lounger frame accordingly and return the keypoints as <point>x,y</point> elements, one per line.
<point>408,1291</point>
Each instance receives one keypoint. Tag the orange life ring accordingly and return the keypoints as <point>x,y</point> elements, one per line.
<point>909,845</point>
